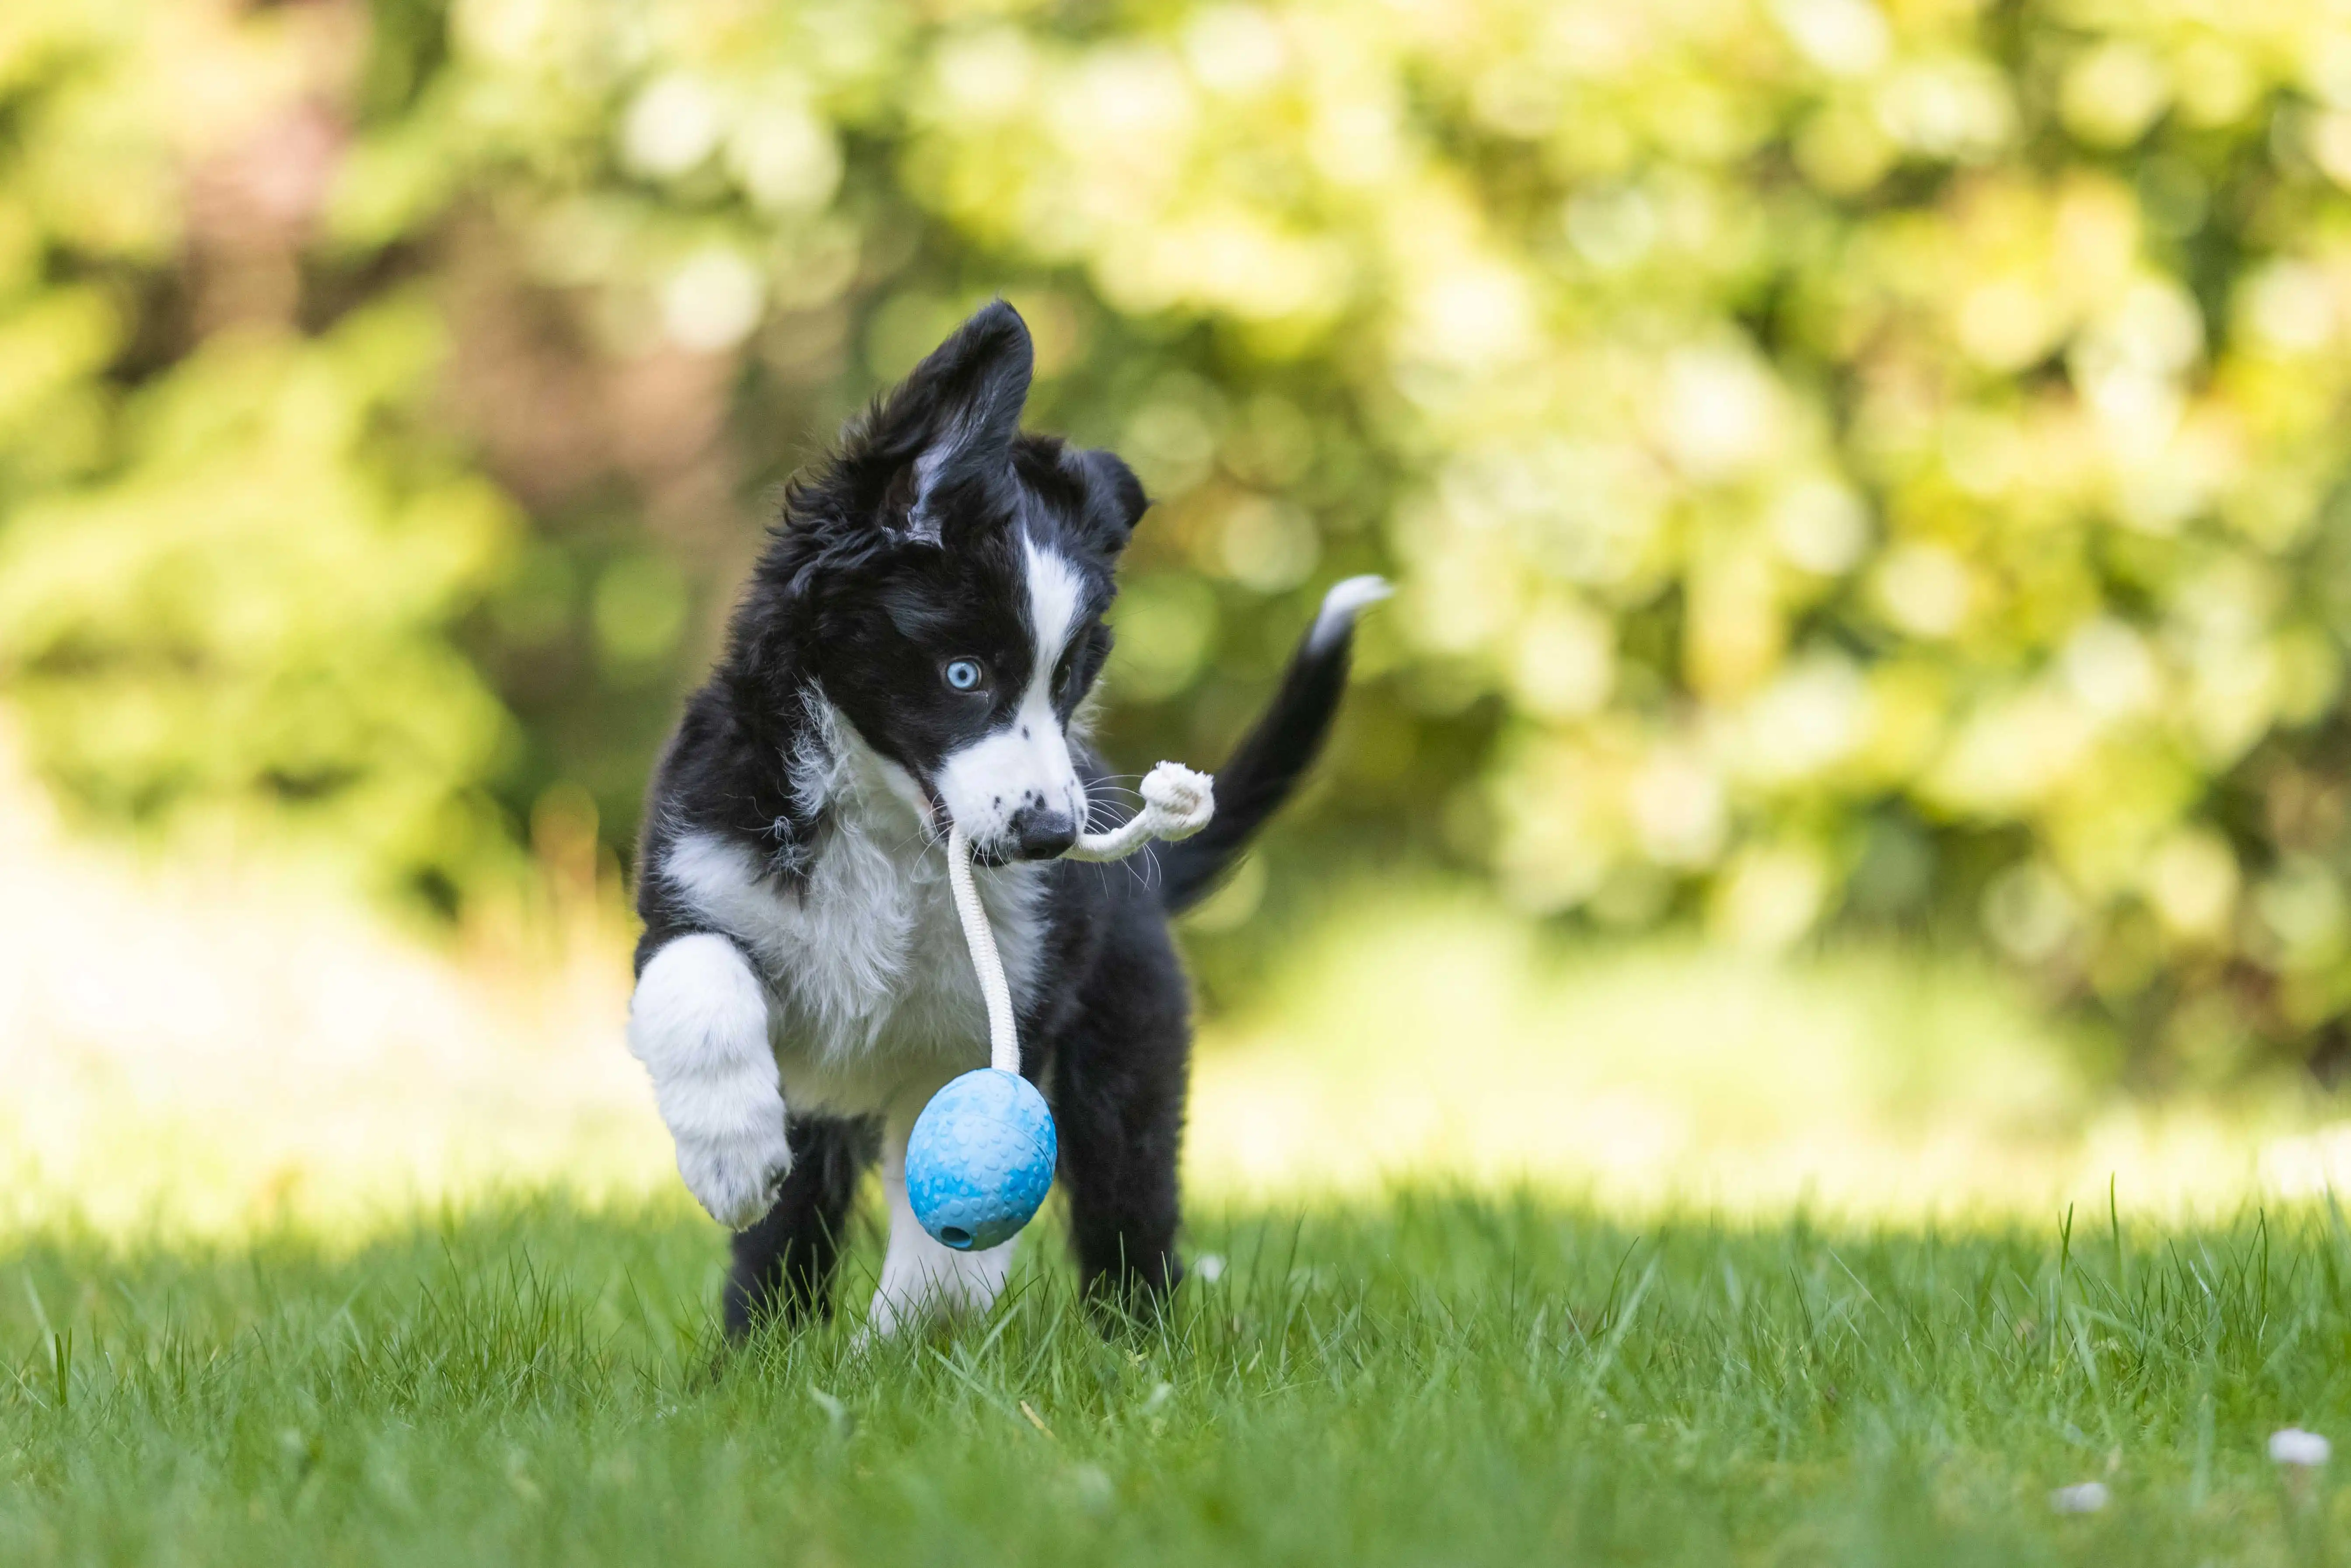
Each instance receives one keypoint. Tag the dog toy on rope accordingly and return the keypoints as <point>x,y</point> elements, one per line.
<point>981,1156</point>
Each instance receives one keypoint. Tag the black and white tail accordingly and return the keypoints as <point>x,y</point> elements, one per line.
<point>1263,769</point>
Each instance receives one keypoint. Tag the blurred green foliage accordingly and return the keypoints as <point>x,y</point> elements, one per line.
<point>1841,462</point>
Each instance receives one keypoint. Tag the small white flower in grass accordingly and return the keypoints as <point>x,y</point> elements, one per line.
<point>1209,1267</point>
<point>2087,1498</point>
<point>2295,1447</point>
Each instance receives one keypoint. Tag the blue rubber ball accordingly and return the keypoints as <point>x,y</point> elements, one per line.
<point>980,1159</point>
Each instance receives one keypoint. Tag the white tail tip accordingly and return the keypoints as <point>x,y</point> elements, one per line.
<point>1346,599</point>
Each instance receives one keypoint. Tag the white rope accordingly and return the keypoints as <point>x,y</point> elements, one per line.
<point>1176,803</point>
<point>1003,1044</point>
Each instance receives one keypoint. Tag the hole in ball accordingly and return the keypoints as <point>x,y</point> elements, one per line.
<point>954,1236</point>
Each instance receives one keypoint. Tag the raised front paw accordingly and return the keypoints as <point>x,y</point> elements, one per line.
<point>699,1023</point>
<point>736,1177</point>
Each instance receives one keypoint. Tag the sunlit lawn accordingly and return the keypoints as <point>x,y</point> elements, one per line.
<point>250,1350</point>
<point>1422,1379</point>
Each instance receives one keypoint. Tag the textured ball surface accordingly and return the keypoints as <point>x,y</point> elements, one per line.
<point>980,1159</point>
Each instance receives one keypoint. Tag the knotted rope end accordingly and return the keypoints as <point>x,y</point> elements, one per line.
<point>1179,799</point>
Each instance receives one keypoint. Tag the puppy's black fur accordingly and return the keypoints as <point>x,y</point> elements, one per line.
<point>902,551</point>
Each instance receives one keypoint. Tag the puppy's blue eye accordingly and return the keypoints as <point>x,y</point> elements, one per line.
<point>964,675</point>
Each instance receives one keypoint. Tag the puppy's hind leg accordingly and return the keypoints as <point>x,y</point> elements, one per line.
<point>1119,1077</point>
<point>784,1264</point>
<point>923,1278</point>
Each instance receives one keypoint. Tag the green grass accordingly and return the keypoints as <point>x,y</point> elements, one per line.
<point>1430,1380</point>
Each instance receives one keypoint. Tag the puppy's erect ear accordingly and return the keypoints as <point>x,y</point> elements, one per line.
<point>945,437</point>
<point>1114,497</point>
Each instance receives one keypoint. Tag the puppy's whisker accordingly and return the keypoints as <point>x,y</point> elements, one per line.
<point>1099,797</point>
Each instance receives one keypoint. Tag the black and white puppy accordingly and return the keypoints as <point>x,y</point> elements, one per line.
<point>914,650</point>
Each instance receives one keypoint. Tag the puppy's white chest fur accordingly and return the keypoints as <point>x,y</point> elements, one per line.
<point>871,996</point>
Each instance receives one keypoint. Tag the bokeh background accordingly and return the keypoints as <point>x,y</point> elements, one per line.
<point>1863,715</point>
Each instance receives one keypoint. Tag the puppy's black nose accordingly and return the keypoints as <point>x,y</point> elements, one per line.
<point>1042,833</point>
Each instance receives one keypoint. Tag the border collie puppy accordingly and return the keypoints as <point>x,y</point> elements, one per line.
<point>914,652</point>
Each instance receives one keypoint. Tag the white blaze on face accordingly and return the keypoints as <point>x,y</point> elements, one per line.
<point>1025,762</point>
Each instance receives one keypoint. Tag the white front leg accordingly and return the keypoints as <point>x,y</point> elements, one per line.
<point>699,1023</point>
<point>922,1278</point>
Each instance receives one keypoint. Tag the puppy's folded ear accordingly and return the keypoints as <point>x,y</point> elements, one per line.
<point>941,445</point>
<point>1114,497</point>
